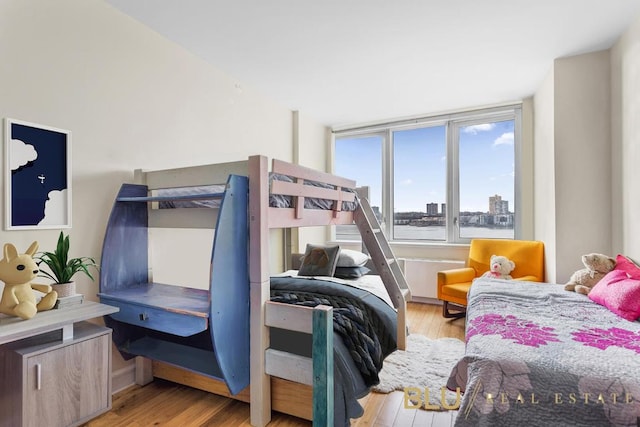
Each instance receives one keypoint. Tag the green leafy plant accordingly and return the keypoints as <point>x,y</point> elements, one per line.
<point>62,269</point>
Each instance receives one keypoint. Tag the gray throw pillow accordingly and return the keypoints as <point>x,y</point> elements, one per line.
<point>319,260</point>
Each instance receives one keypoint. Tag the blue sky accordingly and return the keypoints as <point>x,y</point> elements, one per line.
<point>486,165</point>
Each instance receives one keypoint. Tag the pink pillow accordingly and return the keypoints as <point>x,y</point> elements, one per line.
<point>625,264</point>
<point>619,293</point>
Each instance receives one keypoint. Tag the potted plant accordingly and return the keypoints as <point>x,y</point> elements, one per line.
<point>62,269</point>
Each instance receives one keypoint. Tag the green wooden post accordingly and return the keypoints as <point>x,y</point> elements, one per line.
<point>323,366</point>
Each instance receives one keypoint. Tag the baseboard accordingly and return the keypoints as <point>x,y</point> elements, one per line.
<point>425,300</point>
<point>123,378</point>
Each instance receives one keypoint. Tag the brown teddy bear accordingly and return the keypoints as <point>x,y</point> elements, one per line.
<point>17,271</point>
<point>596,266</point>
<point>500,267</point>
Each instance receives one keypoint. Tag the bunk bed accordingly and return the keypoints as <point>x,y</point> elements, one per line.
<point>194,337</point>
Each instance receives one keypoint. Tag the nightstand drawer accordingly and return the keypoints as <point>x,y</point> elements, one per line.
<point>158,319</point>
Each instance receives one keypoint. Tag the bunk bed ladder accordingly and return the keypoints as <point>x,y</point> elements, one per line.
<point>376,245</point>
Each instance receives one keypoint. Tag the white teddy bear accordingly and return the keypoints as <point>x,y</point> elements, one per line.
<point>500,267</point>
<point>596,266</point>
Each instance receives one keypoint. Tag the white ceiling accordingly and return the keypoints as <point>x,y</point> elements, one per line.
<point>353,61</point>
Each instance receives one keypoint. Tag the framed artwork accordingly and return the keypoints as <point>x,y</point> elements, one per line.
<point>37,176</point>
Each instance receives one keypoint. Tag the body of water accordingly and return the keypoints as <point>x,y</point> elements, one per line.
<point>435,233</point>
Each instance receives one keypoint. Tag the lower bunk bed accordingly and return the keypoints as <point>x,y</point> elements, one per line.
<point>364,324</point>
<point>538,355</point>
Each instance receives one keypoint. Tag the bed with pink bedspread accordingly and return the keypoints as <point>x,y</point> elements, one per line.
<point>538,355</point>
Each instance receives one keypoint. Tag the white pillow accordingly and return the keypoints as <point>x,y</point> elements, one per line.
<point>351,258</point>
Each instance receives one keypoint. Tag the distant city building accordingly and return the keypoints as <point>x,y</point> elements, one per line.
<point>497,206</point>
<point>492,203</point>
<point>432,209</point>
<point>497,217</point>
<point>502,207</point>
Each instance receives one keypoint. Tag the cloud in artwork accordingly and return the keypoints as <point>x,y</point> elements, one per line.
<point>474,129</point>
<point>21,154</point>
<point>55,208</point>
<point>504,139</point>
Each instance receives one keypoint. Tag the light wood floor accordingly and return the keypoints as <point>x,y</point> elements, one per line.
<point>168,404</point>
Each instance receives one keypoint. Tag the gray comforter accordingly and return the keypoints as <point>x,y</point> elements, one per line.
<point>349,382</point>
<point>538,355</point>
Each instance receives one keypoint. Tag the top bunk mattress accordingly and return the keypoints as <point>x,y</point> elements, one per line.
<point>282,201</point>
<point>275,200</point>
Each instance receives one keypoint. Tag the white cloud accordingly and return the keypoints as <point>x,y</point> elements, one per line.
<point>474,129</point>
<point>407,181</point>
<point>21,153</point>
<point>504,139</point>
<point>55,208</point>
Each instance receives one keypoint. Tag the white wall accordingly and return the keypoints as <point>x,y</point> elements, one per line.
<point>131,100</point>
<point>579,144</point>
<point>625,113</point>
<point>544,173</point>
<point>583,159</point>
<point>573,163</point>
<point>311,142</point>
<point>525,182</point>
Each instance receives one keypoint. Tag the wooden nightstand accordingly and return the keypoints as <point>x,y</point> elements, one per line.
<point>56,367</point>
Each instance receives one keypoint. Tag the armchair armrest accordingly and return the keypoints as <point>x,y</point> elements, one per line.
<point>456,275</point>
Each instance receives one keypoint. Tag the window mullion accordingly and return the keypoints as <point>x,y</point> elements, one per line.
<point>387,184</point>
<point>453,201</point>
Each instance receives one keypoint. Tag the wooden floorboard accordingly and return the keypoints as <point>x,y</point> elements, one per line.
<point>164,403</point>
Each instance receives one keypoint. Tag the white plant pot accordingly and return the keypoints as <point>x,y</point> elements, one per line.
<point>65,289</point>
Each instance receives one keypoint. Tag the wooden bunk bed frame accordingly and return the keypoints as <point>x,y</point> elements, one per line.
<point>265,314</point>
<point>279,381</point>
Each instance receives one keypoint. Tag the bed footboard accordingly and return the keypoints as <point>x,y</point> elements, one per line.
<point>316,371</point>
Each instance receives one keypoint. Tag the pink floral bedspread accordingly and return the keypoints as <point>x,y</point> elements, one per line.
<point>538,355</point>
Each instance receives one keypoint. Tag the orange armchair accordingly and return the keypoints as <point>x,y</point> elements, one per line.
<point>453,285</point>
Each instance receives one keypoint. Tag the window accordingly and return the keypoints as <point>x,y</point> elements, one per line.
<point>360,158</point>
<point>419,183</point>
<point>486,175</point>
<point>443,179</point>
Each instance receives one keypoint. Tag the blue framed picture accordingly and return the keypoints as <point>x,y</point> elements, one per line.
<point>37,176</point>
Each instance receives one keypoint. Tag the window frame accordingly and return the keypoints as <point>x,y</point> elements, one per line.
<point>453,123</point>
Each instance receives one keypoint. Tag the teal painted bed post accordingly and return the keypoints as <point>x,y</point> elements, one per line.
<point>323,366</point>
